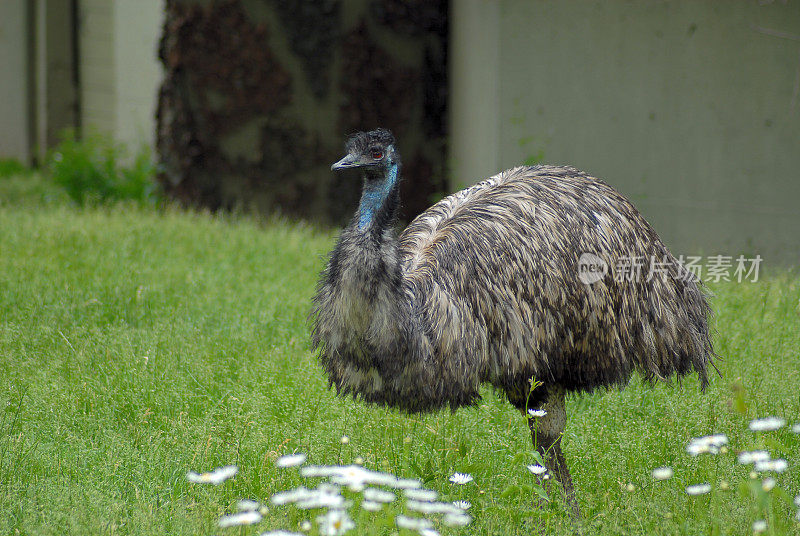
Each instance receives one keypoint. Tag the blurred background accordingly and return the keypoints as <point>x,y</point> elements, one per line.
<point>689,108</point>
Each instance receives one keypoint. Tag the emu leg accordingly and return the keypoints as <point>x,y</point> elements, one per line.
<point>546,433</point>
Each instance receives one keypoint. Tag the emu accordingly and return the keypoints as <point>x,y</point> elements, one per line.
<point>485,287</point>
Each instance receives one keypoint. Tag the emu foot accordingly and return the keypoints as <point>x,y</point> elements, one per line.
<point>546,431</point>
<point>557,466</point>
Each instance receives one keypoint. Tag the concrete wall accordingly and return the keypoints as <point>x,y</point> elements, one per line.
<point>38,92</point>
<point>56,92</point>
<point>98,87</point>
<point>15,132</point>
<point>120,72</point>
<point>138,26</point>
<point>690,108</point>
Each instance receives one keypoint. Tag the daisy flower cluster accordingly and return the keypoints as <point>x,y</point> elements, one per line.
<point>344,491</point>
<point>761,461</point>
<point>711,444</point>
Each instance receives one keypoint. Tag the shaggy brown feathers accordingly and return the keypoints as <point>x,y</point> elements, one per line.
<point>485,287</point>
<point>496,268</point>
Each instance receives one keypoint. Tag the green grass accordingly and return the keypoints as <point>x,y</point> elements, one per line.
<point>30,191</point>
<point>136,345</point>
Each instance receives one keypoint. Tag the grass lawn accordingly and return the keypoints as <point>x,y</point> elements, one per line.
<point>137,345</point>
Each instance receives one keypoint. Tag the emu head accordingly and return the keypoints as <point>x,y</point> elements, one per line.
<point>374,152</point>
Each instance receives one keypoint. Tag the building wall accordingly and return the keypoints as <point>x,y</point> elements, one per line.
<point>120,71</point>
<point>56,101</point>
<point>138,72</point>
<point>97,48</point>
<point>14,126</point>
<point>690,108</point>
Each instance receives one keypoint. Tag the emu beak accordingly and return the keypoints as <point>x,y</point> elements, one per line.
<point>348,161</point>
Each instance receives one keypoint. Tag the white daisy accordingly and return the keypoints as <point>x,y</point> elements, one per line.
<point>716,439</point>
<point>698,489</point>
<point>290,460</point>
<point>663,473</point>
<point>289,496</point>
<point>326,496</point>
<point>281,533</point>
<point>310,471</point>
<point>345,440</point>
<point>378,495</point>
<point>216,477</point>
<point>371,506</point>
<point>457,520</point>
<point>464,505</point>
<point>759,526</point>
<point>404,483</point>
<point>767,424</point>
<point>413,523</point>
<point>537,469</point>
<point>537,413</point>
<point>768,484</point>
<point>246,505</point>
<point>305,526</point>
<point>778,465</point>
<point>796,428</point>
<point>461,478</point>
<point>240,518</point>
<point>426,507</point>
<point>323,500</point>
<point>696,449</point>
<point>797,501</point>
<point>353,476</point>
<point>428,532</point>
<point>421,494</point>
<point>334,523</point>
<point>753,456</point>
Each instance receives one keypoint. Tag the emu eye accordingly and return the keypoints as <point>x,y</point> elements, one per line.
<point>376,154</point>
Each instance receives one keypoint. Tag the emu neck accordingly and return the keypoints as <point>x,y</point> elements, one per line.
<point>378,201</point>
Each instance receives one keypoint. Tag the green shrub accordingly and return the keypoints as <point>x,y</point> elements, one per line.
<point>94,170</point>
<point>10,167</point>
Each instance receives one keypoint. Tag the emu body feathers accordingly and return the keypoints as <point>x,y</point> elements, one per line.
<point>484,287</point>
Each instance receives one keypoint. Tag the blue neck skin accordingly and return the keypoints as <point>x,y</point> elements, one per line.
<point>373,197</point>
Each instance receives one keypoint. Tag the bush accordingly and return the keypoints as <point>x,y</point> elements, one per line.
<point>10,167</point>
<point>93,171</point>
